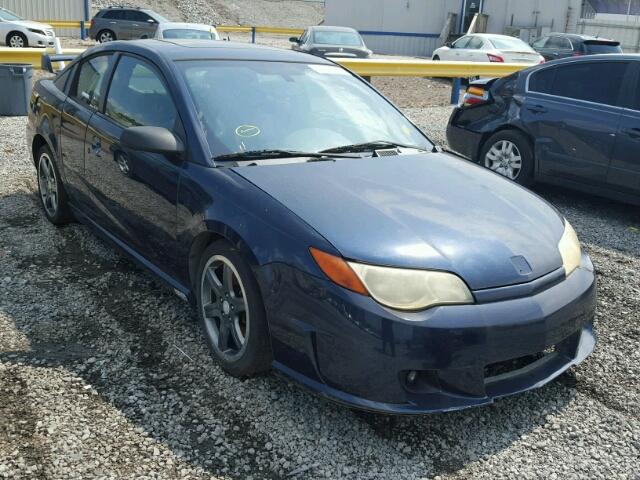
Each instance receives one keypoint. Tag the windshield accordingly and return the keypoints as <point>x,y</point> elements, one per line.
<point>186,33</point>
<point>256,105</point>
<point>327,37</point>
<point>602,47</point>
<point>8,16</point>
<point>510,44</point>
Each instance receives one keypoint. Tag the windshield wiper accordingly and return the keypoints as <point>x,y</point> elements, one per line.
<point>375,145</point>
<point>275,154</point>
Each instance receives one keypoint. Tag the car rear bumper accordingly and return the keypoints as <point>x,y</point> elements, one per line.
<point>463,141</point>
<point>349,349</point>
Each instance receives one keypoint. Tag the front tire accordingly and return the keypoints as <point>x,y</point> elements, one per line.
<point>231,312</point>
<point>53,197</point>
<point>509,153</point>
<point>17,40</point>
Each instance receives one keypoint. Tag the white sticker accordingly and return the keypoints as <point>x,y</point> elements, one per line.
<point>328,69</point>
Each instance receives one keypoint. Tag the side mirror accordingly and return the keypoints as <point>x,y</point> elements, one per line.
<point>448,44</point>
<point>152,140</point>
<point>151,20</point>
<point>294,39</point>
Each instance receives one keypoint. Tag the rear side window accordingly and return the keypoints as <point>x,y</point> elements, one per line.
<point>558,43</point>
<point>475,43</point>
<point>598,82</point>
<point>137,16</point>
<point>91,79</point>
<point>63,78</point>
<point>113,14</point>
<point>138,97</point>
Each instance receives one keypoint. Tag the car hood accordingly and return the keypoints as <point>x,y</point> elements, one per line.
<point>430,211</point>
<point>30,24</point>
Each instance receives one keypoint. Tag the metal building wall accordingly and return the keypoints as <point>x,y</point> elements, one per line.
<point>410,27</point>
<point>49,10</point>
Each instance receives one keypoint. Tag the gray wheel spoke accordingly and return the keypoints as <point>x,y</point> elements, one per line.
<point>227,278</point>
<point>212,310</point>
<point>223,336</point>
<point>237,304</point>
<point>213,282</point>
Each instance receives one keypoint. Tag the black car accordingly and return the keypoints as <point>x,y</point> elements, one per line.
<point>573,122</point>
<point>561,45</point>
<point>327,41</point>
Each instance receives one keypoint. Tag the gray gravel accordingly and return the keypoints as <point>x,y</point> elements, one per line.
<point>103,373</point>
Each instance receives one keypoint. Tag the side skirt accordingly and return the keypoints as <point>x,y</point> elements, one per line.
<point>178,288</point>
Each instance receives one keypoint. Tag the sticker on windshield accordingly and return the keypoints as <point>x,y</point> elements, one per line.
<point>247,131</point>
<point>329,69</point>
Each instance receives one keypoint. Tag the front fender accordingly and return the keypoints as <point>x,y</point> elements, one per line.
<point>220,203</point>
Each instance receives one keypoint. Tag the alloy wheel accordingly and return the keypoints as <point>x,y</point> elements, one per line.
<point>48,185</point>
<point>224,307</point>
<point>106,37</point>
<point>16,41</point>
<point>504,158</point>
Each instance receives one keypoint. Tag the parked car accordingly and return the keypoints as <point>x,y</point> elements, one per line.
<point>17,32</point>
<point>573,122</point>
<point>326,41</point>
<point>124,23</point>
<point>485,47</point>
<point>562,45</point>
<point>314,227</point>
<point>186,31</point>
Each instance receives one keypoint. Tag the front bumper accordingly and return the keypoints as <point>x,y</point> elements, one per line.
<point>350,349</point>
<point>38,40</point>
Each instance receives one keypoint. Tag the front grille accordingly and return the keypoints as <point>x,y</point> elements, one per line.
<point>514,364</point>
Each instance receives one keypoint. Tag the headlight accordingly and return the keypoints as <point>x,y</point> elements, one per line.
<point>569,247</point>
<point>398,288</point>
<point>35,30</point>
<point>406,289</point>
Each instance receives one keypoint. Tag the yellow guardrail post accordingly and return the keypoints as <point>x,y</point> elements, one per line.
<point>32,56</point>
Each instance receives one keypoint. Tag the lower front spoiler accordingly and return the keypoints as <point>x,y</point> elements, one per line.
<point>568,353</point>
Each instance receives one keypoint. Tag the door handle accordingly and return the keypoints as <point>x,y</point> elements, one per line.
<point>537,109</point>
<point>632,132</point>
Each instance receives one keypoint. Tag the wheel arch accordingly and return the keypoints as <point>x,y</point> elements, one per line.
<point>12,32</point>
<point>214,231</point>
<point>513,128</point>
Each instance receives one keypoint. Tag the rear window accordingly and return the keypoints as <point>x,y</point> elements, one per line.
<point>598,82</point>
<point>337,38</point>
<point>597,47</point>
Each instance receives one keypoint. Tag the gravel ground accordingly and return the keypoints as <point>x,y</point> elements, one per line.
<point>103,373</point>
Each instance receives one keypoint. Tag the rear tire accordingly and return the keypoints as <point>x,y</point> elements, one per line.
<point>17,40</point>
<point>231,312</point>
<point>105,36</point>
<point>510,154</point>
<point>53,197</point>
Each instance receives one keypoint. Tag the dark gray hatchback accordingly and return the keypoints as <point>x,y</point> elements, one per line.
<point>561,45</point>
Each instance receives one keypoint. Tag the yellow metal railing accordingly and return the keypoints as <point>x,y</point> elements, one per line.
<point>382,67</point>
<point>31,56</point>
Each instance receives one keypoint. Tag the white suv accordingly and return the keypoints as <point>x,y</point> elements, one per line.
<point>19,33</point>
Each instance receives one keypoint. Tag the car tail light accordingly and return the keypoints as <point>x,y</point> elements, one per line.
<point>495,58</point>
<point>475,96</point>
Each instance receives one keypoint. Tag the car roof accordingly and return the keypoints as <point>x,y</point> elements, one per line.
<point>332,29</point>
<point>175,49</point>
<point>192,26</point>
<point>577,36</point>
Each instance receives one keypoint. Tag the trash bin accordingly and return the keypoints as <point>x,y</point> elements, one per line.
<point>15,84</point>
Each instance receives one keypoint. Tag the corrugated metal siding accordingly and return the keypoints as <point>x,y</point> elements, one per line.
<point>49,10</point>
<point>627,33</point>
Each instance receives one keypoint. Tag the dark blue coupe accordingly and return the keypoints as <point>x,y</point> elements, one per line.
<point>316,229</point>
